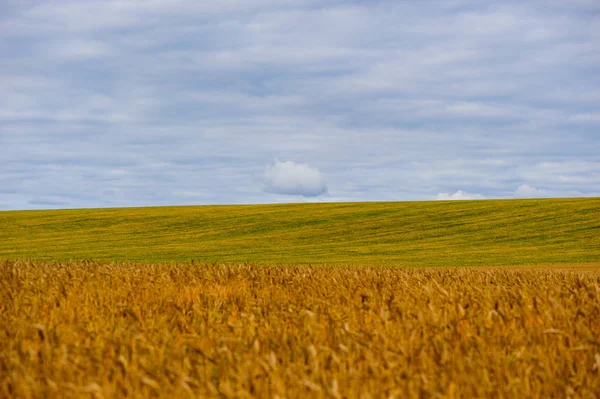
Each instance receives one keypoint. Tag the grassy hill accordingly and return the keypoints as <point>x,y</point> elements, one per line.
<point>499,232</point>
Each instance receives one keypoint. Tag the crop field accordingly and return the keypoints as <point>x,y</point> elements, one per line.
<point>459,299</point>
<point>111,330</point>
<point>433,233</point>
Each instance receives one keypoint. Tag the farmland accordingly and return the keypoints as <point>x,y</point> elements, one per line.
<point>85,329</point>
<point>391,300</point>
<point>463,233</point>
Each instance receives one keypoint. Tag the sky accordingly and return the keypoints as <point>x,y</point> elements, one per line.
<point>171,102</point>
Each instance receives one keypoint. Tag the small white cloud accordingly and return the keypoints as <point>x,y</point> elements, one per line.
<point>292,178</point>
<point>527,191</point>
<point>459,195</point>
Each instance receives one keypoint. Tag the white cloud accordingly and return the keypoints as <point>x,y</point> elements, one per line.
<point>459,195</point>
<point>175,102</point>
<point>292,178</point>
<point>527,191</point>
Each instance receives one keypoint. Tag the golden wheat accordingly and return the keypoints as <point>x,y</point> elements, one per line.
<point>83,329</point>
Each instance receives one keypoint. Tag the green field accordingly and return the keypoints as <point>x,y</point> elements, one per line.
<point>465,233</point>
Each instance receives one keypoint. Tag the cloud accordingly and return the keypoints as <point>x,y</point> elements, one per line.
<point>47,201</point>
<point>113,103</point>
<point>459,195</point>
<point>292,178</point>
<point>527,191</point>
<point>591,118</point>
<point>79,49</point>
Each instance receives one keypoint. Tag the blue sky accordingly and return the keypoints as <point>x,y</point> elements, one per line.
<point>156,102</point>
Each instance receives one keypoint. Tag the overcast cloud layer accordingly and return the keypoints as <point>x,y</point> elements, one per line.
<point>156,102</point>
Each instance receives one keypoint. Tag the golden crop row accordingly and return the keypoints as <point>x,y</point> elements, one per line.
<point>164,330</point>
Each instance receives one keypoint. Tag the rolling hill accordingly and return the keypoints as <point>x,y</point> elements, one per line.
<point>454,233</point>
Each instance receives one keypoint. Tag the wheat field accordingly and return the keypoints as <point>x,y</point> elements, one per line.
<point>112,330</point>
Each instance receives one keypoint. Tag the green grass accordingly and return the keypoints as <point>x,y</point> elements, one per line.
<point>499,232</point>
